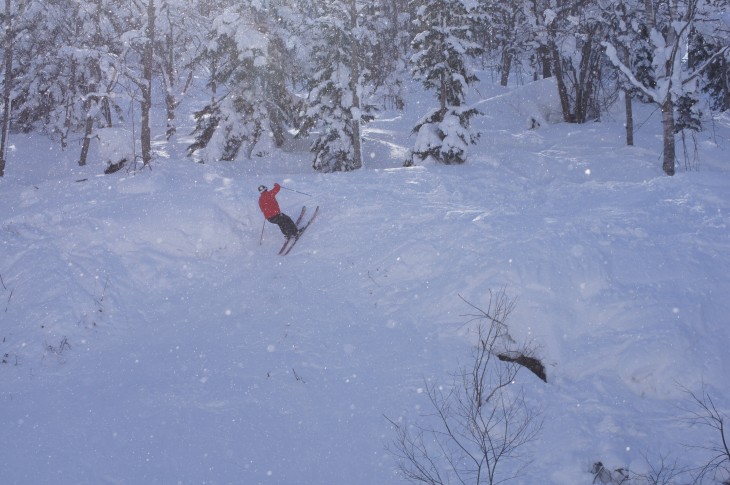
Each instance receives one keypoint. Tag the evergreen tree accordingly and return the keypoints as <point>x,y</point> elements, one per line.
<point>440,63</point>
<point>716,77</point>
<point>251,62</point>
<point>641,59</point>
<point>689,116</point>
<point>342,36</point>
<point>36,66</point>
<point>68,70</point>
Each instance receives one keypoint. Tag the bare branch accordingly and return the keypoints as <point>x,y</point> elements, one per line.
<point>705,413</point>
<point>480,423</point>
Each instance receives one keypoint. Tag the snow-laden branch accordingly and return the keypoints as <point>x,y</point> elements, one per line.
<point>706,64</point>
<point>613,57</point>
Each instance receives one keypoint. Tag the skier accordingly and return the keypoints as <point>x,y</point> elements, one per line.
<point>270,207</point>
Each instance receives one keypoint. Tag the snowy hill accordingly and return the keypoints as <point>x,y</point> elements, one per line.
<point>150,335</point>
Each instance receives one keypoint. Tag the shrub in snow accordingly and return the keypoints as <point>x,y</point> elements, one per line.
<point>480,423</point>
<point>443,136</point>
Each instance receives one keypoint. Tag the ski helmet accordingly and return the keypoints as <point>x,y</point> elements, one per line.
<point>262,188</point>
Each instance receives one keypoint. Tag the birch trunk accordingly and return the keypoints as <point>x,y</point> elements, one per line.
<point>146,104</point>
<point>628,104</point>
<point>668,132</point>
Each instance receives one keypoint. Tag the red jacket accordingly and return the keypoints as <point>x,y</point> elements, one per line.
<point>267,202</point>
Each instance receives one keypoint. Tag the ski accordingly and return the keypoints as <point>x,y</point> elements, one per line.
<point>301,231</point>
<point>299,219</point>
<point>301,215</point>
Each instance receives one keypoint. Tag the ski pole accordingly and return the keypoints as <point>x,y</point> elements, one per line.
<point>261,240</point>
<point>292,190</point>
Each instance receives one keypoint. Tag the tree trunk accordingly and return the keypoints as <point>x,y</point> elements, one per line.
<point>171,78</point>
<point>106,112</point>
<point>92,100</point>
<point>7,85</point>
<point>543,53</point>
<point>629,118</point>
<point>628,102</point>
<point>88,128</point>
<point>588,74</point>
<point>354,85</point>
<point>562,88</point>
<point>667,105</point>
<point>70,101</point>
<point>506,66</point>
<point>212,77</point>
<point>146,104</point>
<point>668,132</point>
<point>649,12</point>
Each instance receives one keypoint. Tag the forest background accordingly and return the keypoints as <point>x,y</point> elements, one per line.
<point>319,70</point>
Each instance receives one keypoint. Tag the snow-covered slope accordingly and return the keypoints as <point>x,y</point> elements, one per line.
<point>150,335</point>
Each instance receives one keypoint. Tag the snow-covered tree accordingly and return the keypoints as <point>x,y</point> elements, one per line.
<point>137,30</point>
<point>30,101</point>
<point>341,37</point>
<point>64,71</point>
<point>705,43</point>
<point>574,31</point>
<point>253,68</point>
<point>505,34</point>
<point>618,16</point>
<point>181,28</point>
<point>669,25</point>
<point>386,52</point>
<point>93,73</point>
<point>442,49</point>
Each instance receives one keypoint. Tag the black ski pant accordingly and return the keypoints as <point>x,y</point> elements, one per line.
<point>287,226</point>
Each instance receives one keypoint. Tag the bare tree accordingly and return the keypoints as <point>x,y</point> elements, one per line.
<point>705,413</point>
<point>662,472</point>
<point>481,423</point>
<point>665,471</point>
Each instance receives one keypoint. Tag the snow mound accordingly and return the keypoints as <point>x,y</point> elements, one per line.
<point>524,107</point>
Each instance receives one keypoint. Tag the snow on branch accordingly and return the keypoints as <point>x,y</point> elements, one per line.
<point>613,57</point>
